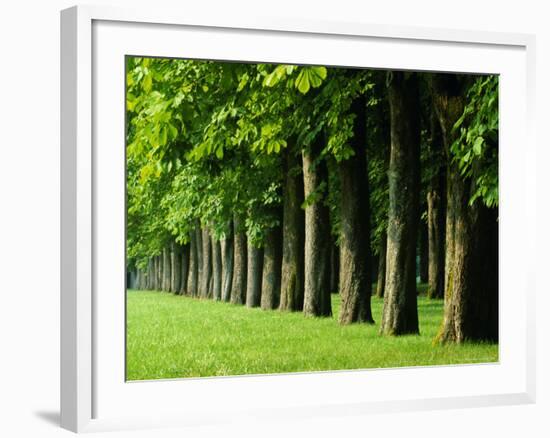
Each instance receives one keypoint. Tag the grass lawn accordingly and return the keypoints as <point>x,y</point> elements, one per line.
<point>172,336</point>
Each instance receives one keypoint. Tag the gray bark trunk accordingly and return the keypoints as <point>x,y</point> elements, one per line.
<point>400,314</point>
<point>355,251</point>
<point>238,287</point>
<point>271,278</point>
<point>205,289</point>
<point>317,301</point>
<point>216,270</point>
<point>254,276</point>
<point>292,271</point>
<point>193,276</point>
<point>184,254</point>
<point>381,282</point>
<point>227,264</point>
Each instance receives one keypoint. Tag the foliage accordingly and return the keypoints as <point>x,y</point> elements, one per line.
<point>476,148</point>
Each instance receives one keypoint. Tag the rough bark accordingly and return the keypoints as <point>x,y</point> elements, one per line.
<point>198,237</point>
<point>436,200</point>
<point>271,277</point>
<point>436,242</point>
<point>158,273</point>
<point>150,273</point>
<point>193,276</point>
<point>166,270</point>
<point>238,287</point>
<point>216,270</point>
<point>334,266</point>
<point>227,263</point>
<point>423,251</point>
<point>206,279</point>
<point>184,255</point>
<point>400,313</point>
<point>175,267</point>
<point>292,270</point>
<point>317,234</point>
<point>471,260</point>
<point>355,250</point>
<point>254,276</point>
<point>381,278</point>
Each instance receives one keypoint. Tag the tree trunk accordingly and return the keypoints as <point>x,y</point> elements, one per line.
<point>271,277</point>
<point>317,234</point>
<point>175,268</point>
<point>436,242</point>
<point>334,266</point>
<point>227,264</point>
<point>193,276</point>
<point>216,270</point>
<point>238,287</point>
<point>471,260</point>
<point>198,237</point>
<point>423,250</point>
<point>436,201</point>
<point>355,251</point>
<point>150,273</point>
<point>184,257</point>
<point>381,281</point>
<point>166,272</point>
<point>206,278</point>
<point>400,314</point>
<point>292,270</point>
<point>158,273</point>
<point>254,276</point>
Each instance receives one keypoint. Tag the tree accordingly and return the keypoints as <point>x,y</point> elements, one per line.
<point>317,301</point>
<point>400,313</point>
<point>355,253</point>
<point>468,116</point>
<point>292,270</point>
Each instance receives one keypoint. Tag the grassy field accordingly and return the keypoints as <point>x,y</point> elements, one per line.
<point>171,336</point>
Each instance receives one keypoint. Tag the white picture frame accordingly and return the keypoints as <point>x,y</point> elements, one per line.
<point>92,387</point>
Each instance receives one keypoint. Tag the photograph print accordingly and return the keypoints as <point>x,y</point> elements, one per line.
<point>303,218</point>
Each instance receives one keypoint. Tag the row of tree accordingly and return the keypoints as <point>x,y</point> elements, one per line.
<point>275,185</point>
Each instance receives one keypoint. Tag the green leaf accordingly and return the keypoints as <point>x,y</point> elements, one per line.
<point>302,82</point>
<point>147,83</point>
<point>477,145</point>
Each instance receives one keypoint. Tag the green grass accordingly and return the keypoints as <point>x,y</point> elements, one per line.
<point>171,336</point>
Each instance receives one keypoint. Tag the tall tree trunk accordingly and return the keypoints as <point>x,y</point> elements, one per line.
<point>200,256</point>
<point>227,263</point>
<point>271,277</point>
<point>184,256</point>
<point>471,259</point>
<point>150,273</point>
<point>317,234</point>
<point>158,273</point>
<point>355,250</point>
<point>206,264</point>
<point>238,287</point>
<point>334,266</point>
<point>292,270</point>
<point>254,276</point>
<point>175,268</point>
<point>193,277</point>
<point>400,314</point>
<point>166,269</point>
<point>381,281</point>
<point>216,270</point>
<point>436,200</point>
<point>436,242</point>
<point>423,251</point>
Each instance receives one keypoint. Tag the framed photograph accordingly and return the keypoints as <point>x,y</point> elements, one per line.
<point>266,218</point>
